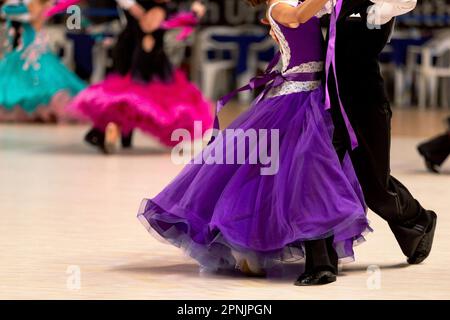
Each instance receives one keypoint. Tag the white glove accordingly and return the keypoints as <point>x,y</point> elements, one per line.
<point>384,11</point>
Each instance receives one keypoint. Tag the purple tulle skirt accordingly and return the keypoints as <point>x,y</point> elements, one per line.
<point>217,212</point>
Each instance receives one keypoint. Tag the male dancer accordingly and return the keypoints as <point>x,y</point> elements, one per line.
<point>362,91</point>
<point>359,42</point>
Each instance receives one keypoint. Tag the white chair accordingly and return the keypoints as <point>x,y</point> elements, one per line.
<point>445,81</point>
<point>101,60</point>
<point>254,63</point>
<point>401,77</point>
<point>58,41</point>
<point>432,71</point>
<point>175,49</point>
<point>210,69</point>
<point>100,51</point>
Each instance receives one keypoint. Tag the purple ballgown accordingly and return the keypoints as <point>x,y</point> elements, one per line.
<point>219,212</point>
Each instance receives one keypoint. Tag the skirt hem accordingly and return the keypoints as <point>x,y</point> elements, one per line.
<point>221,253</point>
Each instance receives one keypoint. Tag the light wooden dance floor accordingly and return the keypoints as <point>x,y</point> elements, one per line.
<point>68,228</point>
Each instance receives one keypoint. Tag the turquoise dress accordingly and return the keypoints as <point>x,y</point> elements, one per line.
<point>33,81</point>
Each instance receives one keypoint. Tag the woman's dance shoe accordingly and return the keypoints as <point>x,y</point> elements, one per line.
<point>95,137</point>
<point>112,137</point>
<point>127,140</point>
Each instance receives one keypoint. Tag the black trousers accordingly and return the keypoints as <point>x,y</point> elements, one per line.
<point>321,256</point>
<point>362,92</point>
<point>438,148</point>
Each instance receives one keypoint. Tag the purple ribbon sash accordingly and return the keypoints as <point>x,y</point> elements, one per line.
<point>270,79</point>
<point>331,62</point>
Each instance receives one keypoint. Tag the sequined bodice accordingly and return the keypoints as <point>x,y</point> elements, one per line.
<point>302,50</point>
<point>301,46</point>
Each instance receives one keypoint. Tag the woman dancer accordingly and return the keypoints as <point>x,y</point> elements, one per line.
<point>231,215</point>
<point>144,92</point>
<point>34,84</point>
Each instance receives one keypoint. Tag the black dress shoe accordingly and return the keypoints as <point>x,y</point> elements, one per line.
<point>315,278</point>
<point>432,167</point>
<point>127,140</point>
<point>95,137</point>
<point>426,243</point>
